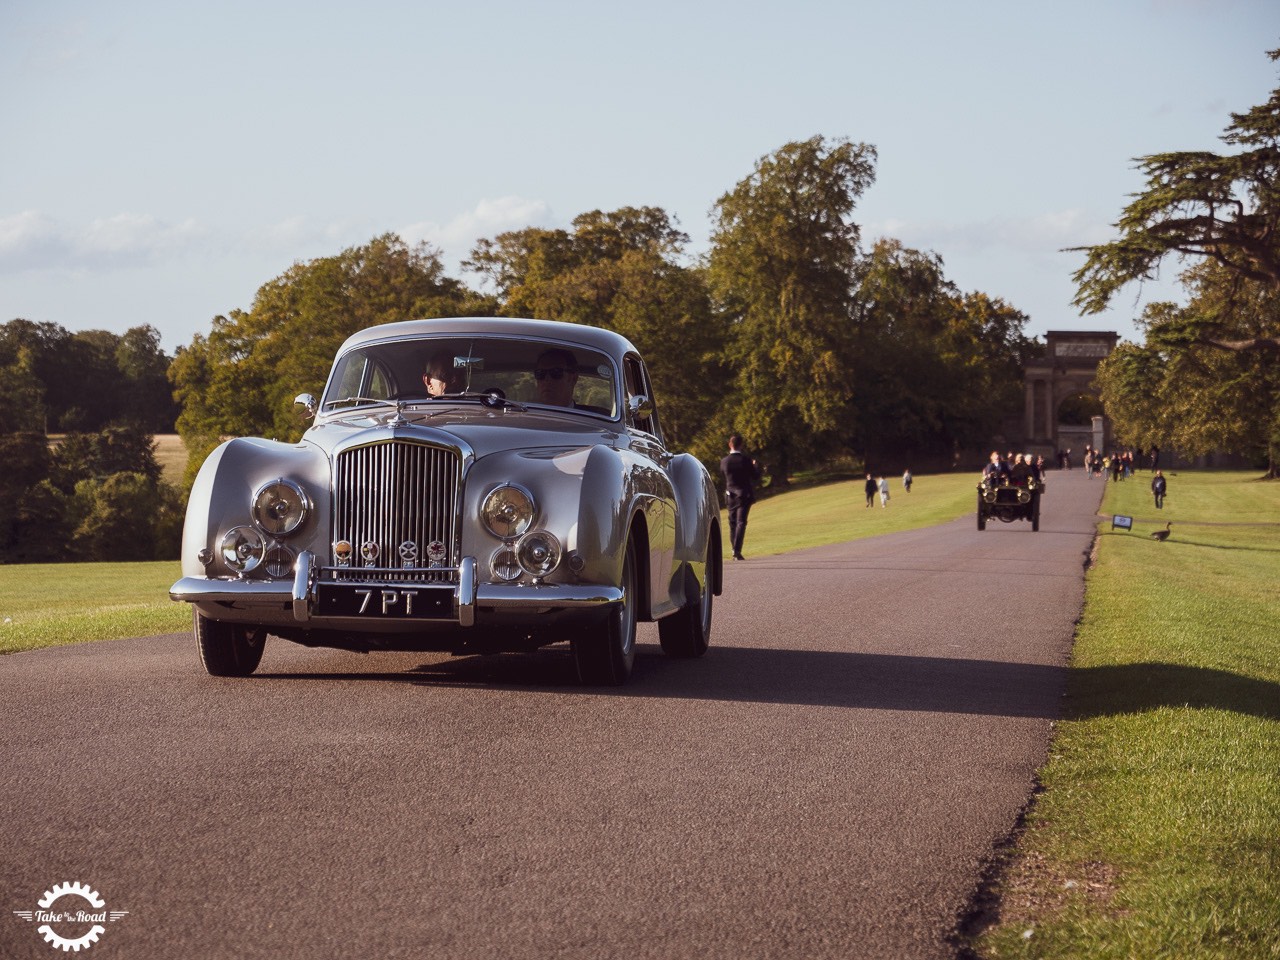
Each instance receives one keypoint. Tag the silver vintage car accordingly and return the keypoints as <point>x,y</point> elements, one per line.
<point>470,486</point>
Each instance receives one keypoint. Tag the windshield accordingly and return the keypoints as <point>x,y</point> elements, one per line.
<point>529,372</point>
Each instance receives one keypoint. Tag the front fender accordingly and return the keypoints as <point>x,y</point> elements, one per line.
<point>222,496</point>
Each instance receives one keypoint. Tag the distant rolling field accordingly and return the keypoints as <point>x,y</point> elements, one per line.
<point>171,453</point>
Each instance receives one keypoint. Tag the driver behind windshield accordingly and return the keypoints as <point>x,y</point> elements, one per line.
<point>556,373</point>
<point>440,376</point>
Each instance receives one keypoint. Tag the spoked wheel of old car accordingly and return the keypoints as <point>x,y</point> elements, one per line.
<point>604,657</point>
<point>687,632</point>
<point>229,649</point>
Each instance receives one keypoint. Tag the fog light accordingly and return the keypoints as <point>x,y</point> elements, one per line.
<point>278,562</point>
<point>538,553</point>
<point>504,564</point>
<point>242,549</point>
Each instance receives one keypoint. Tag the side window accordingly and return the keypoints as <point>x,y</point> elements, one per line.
<point>637,383</point>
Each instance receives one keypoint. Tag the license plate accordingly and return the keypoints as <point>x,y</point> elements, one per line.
<point>384,602</point>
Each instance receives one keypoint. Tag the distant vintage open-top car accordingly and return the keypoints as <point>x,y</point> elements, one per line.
<point>471,486</point>
<point>1008,500</point>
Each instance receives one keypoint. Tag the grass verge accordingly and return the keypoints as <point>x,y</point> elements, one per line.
<point>1157,832</point>
<point>45,604</point>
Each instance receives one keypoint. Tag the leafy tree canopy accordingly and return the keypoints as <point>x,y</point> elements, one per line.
<point>780,270</point>
<point>621,270</point>
<point>1223,207</point>
<point>1206,377</point>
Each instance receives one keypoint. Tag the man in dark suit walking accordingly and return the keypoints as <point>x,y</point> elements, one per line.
<point>740,476</point>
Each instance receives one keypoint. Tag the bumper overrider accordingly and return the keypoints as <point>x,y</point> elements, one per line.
<point>386,605</point>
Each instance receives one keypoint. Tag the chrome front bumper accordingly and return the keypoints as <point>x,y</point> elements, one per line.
<point>469,595</point>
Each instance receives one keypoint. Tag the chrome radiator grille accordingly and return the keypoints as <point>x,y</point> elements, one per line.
<point>391,494</point>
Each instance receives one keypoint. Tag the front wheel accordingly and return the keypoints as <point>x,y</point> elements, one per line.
<point>605,657</point>
<point>229,649</point>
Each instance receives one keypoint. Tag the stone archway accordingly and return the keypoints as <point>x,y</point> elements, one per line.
<point>1066,371</point>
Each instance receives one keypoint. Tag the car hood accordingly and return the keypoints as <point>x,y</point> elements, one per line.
<point>483,430</point>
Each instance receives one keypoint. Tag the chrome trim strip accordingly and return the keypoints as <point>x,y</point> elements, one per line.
<point>498,596</point>
<point>302,587</point>
<point>202,589</point>
<point>467,592</point>
<point>515,596</point>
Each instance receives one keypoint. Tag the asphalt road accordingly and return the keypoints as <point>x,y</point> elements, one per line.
<point>825,783</point>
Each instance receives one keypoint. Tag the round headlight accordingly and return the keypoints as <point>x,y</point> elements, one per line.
<point>538,553</point>
<point>504,564</point>
<point>242,549</point>
<point>1024,496</point>
<point>279,507</point>
<point>507,511</point>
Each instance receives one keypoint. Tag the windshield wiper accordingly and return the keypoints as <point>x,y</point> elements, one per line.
<point>493,397</point>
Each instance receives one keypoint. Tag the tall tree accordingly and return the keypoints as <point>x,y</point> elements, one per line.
<point>621,270</point>
<point>1221,213</point>
<point>1175,390</point>
<point>783,249</point>
<point>145,395</point>
<point>937,369</point>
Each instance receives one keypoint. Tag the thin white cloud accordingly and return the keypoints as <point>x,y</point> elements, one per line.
<point>32,240</point>
<point>1048,232</point>
<point>490,217</point>
<point>302,237</point>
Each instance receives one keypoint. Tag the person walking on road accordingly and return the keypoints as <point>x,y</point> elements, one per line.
<point>1159,486</point>
<point>740,475</point>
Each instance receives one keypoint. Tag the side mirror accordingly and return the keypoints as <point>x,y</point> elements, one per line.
<point>308,404</point>
<point>640,407</point>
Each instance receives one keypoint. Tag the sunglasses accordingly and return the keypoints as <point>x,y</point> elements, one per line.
<point>555,373</point>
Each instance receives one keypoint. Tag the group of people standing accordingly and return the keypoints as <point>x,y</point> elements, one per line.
<point>1122,464</point>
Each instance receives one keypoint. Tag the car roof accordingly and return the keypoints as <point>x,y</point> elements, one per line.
<point>605,341</point>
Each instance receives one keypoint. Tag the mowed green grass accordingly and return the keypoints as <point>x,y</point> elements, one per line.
<point>44,604</point>
<point>834,513</point>
<point>1158,831</point>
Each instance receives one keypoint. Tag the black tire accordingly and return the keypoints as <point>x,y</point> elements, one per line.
<point>604,657</point>
<point>1035,520</point>
<point>686,633</point>
<point>229,649</point>
<point>982,519</point>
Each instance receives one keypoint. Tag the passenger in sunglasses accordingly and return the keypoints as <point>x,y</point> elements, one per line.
<point>556,373</point>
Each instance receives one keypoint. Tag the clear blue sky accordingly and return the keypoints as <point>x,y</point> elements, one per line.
<point>161,160</point>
